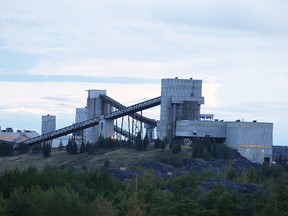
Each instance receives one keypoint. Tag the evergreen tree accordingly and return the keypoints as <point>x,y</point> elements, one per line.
<point>101,142</point>
<point>87,146</point>
<point>46,148</point>
<point>176,148</point>
<point>22,148</point>
<point>207,143</point>
<point>6,148</point>
<point>74,147</point>
<point>90,148</point>
<point>138,142</point>
<point>36,148</point>
<point>197,148</point>
<point>145,142</point>
<point>107,143</point>
<point>61,145</point>
<point>285,163</point>
<point>163,145</point>
<point>157,143</point>
<point>129,143</point>
<point>82,148</point>
<point>69,146</point>
<point>214,149</point>
<point>176,145</point>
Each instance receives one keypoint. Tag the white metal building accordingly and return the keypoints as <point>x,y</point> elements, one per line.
<point>253,140</point>
<point>180,116</point>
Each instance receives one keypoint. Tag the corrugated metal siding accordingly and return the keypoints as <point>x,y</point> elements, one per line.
<point>252,140</point>
<point>214,129</point>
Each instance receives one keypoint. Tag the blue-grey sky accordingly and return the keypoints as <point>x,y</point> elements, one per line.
<point>52,51</point>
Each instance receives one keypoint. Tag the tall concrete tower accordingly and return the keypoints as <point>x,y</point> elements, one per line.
<point>180,100</point>
<point>81,115</point>
<point>96,107</point>
<point>48,124</point>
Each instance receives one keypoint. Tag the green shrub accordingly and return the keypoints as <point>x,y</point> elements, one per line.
<point>6,148</point>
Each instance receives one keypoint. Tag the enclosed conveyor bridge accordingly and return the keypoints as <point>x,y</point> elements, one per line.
<point>95,121</point>
<point>120,106</point>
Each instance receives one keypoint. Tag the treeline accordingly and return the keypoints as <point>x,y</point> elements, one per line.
<point>9,148</point>
<point>69,192</point>
<point>201,148</point>
<point>74,146</point>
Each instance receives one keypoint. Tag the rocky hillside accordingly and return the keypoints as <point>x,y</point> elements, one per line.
<point>125,164</point>
<point>279,150</point>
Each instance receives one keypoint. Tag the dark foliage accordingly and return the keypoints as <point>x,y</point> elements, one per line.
<point>61,146</point>
<point>90,148</point>
<point>74,147</point>
<point>36,148</point>
<point>69,146</point>
<point>70,192</point>
<point>6,148</point>
<point>176,145</point>
<point>22,148</point>
<point>82,148</point>
<point>138,142</point>
<point>157,143</point>
<point>229,191</point>
<point>163,145</point>
<point>160,144</point>
<point>145,142</point>
<point>47,149</point>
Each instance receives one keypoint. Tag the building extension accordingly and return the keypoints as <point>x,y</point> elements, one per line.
<point>181,101</point>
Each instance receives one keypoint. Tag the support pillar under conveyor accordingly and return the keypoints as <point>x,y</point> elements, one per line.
<point>78,137</point>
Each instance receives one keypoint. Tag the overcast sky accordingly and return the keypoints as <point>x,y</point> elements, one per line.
<point>52,51</point>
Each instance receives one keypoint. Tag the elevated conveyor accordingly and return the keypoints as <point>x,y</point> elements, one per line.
<point>120,106</point>
<point>124,133</point>
<point>92,122</point>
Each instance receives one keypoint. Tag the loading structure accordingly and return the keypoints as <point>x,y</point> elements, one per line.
<point>128,126</point>
<point>180,117</point>
<point>130,110</point>
<point>116,104</point>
